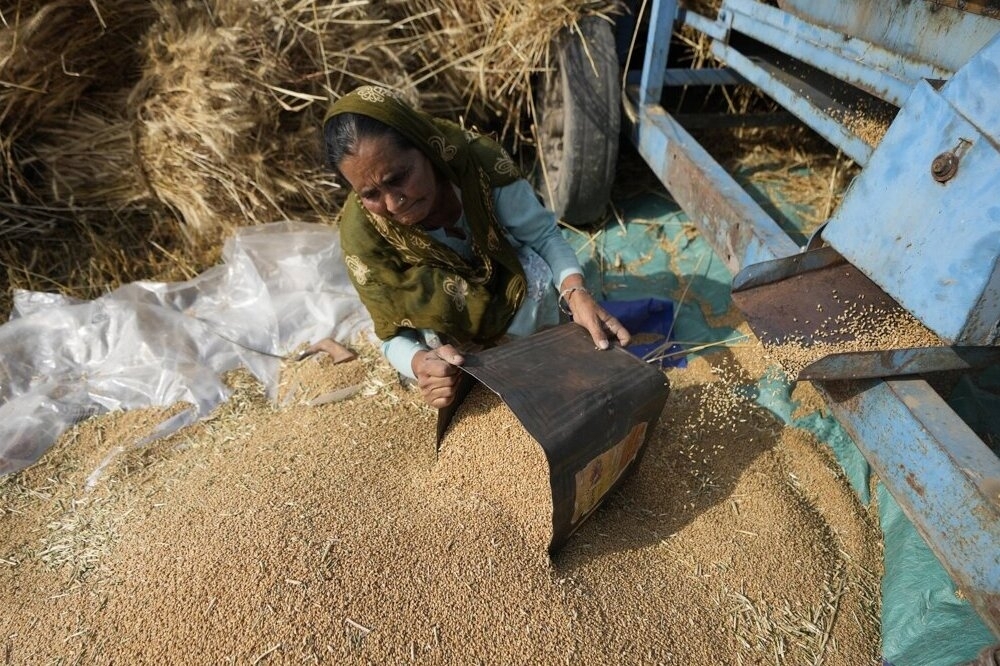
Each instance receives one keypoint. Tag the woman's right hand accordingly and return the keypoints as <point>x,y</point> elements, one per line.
<point>438,374</point>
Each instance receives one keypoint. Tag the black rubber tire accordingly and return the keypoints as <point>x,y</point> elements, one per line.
<point>578,119</point>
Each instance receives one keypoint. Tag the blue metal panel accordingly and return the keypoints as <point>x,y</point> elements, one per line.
<point>737,227</point>
<point>932,246</point>
<point>716,29</point>
<point>973,90</point>
<point>661,29</point>
<point>803,105</point>
<point>885,74</point>
<point>928,31</point>
<point>940,473</point>
<point>716,76</point>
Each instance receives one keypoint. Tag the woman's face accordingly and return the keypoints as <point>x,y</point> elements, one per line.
<point>392,182</point>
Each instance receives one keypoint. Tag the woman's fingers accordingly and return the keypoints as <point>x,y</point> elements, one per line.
<point>598,321</point>
<point>438,375</point>
<point>616,329</point>
<point>440,391</point>
<point>597,333</point>
<point>603,325</point>
<point>439,362</point>
<point>449,354</point>
<point>439,398</point>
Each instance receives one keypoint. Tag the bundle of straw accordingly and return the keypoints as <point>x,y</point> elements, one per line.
<point>207,113</point>
<point>233,94</point>
<point>486,56</point>
<point>202,125</point>
<point>60,91</point>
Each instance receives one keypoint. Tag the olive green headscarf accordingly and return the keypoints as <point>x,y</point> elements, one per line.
<point>405,278</point>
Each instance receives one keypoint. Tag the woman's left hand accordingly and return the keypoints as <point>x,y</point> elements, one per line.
<point>588,313</point>
<point>437,374</point>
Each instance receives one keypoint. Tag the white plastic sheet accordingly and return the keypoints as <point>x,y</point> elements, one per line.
<point>280,286</point>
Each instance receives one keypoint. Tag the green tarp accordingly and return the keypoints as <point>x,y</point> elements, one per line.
<point>652,251</point>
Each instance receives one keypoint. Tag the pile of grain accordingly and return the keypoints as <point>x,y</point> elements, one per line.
<point>866,121</point>
<point>310,379</point>
<point>487,453</point>
<point>864,328</point>
<point>334,533</point>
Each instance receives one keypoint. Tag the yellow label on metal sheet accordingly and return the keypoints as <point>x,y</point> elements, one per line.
<point>594,480</point>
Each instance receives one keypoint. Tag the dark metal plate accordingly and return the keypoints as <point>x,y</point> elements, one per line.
<point>809,297</point>
<point>899,362</point>
<point>591,411</point>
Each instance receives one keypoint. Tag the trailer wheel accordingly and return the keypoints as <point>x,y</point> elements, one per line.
<point>578,117</point>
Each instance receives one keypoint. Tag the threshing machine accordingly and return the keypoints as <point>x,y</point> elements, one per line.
<point>918,228</point>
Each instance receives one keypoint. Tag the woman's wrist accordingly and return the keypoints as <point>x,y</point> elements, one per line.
<point>566,296</point>
<point>417,360</point>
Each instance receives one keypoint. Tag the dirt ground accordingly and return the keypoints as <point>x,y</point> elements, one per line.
<point>326,528</point>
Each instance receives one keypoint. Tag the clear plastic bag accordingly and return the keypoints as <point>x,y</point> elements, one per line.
<point>280,286</point>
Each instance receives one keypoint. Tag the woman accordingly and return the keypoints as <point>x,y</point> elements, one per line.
<point>445,242</point>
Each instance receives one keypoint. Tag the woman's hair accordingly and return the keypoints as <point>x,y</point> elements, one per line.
<point>343,131</point>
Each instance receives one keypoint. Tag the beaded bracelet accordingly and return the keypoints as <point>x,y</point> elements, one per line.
<point>565,294</point>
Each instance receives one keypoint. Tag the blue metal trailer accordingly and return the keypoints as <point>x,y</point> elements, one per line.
<point>920,223</point>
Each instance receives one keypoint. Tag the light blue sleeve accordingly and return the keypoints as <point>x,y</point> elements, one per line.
<point>400,349</point>
<point>529,223</point>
